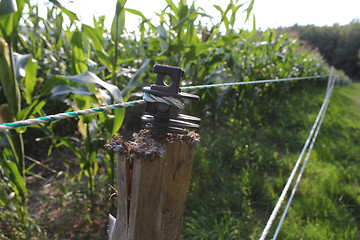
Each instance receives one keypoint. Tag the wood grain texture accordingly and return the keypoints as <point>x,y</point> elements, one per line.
<point>122,221</point>
<point>157,196</point>
<point>175,183</point>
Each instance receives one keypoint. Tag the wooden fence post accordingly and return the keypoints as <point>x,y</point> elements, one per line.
<point>153,178</point>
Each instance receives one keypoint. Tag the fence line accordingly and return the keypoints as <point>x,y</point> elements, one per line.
<point>251,82</point>
<point>296,166</point>
<point>309,143</point>
<point>331,86</point>
<point>60,116</point>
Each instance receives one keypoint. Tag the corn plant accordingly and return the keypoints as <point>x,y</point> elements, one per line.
<point>82,89</point>
<point>12,157</point>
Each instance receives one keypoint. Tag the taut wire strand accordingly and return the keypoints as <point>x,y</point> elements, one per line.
<point>60,116</point>
<point>296,166</point>
<point>147,98</point>
<point>331,86</point>
<point>250,82</point>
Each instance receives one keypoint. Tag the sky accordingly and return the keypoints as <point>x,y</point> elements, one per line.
<point>268,13</point>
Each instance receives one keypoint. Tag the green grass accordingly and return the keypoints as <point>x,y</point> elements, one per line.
<point>329,196</point>
<point>240,170</point>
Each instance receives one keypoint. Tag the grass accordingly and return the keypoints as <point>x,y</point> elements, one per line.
<point>239,172</point>
<point>329,198</point>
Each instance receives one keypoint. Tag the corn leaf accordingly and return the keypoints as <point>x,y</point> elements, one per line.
<point>96,40</point>
<point>6,114</point>
<point>91,78</point>
<point>162,38</point>
<point>7,7</point>
<point>118,23</point>
<point>33,108</point>
<point>9,20</point>
<point>78,57</point>
<point>134,80</point>
<point>7,78</point>
<point>20,64</point>
<point>70,14</point>
<point>50,84</point>
<point>143,18</point>
<point>249,9</point>
<point>118,120</point>
<point>60,91</point>
<point>16,179</point>
<point>30,79</point>
<point>16,144</point>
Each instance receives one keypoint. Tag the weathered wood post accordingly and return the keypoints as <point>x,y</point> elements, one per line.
<point>154,168</point>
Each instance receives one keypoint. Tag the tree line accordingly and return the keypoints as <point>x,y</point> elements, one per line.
<point>339,44</point>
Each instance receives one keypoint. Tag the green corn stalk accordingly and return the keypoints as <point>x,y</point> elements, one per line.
<point>117,28</point>
<point>8,79</point>
<point>12,160</point>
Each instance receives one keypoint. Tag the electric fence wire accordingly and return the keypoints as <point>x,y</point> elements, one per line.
<point>250,82</point>
<point>331,86</point>
<point>171,101</point>
<point>60,116</point>
<point>297,164</point>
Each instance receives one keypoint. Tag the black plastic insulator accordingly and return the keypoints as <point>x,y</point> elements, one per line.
<point>163,118</point>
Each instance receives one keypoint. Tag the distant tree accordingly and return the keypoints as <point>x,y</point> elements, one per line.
<point>340,45</point>
<point>347,49</point>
